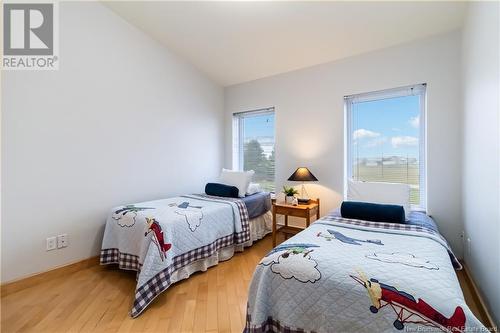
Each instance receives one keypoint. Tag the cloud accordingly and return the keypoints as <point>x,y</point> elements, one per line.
<point>126,219</point>
<point>126,215</point>
<point>402,258</point>
<point>415,121</point>
<point>297,266</point>
<point>404,141</point>
<point>364,134</point>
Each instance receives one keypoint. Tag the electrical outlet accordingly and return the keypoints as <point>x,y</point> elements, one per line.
<point>51,243</point>
<point>62,241</point>
<point>469,247</point>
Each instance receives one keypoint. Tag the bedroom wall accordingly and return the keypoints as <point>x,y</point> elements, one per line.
<point>481,148</point>
<point>310,118</point>
<point>123,120</point>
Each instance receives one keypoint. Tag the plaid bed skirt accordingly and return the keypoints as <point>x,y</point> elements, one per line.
<point>269,326</point>
<point>124,260</point>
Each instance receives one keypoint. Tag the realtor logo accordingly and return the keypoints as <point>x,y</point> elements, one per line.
<point>29,31</point>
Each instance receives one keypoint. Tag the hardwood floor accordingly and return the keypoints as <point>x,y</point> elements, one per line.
<point>98,299</point>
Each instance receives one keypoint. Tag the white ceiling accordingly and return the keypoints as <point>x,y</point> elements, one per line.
<point>234,42</point>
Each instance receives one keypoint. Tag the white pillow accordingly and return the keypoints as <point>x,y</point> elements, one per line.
<point>239,179</point>
<point>382,193</point>
<point>253,188</point>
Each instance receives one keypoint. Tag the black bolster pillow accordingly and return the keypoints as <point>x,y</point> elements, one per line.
<point>221,190</point>
<point>372,212</point>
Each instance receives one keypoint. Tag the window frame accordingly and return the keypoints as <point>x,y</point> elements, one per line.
<point>417,89</point>
<point>239,133</point>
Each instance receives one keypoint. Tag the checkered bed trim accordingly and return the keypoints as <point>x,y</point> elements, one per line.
<point>124,260</point>
<point>269,326</point>
<point>161,281</point>
<point>239,237</point>
<point>395,226</point>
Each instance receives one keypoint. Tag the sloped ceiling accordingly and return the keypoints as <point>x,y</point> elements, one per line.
<point>234,42</point>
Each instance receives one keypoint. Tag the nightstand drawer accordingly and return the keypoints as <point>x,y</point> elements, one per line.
<point>291,212</point>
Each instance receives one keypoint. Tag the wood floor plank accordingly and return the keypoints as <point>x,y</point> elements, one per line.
<point>201,307</point>
<point>175,324</point>
<point>99,299</point>
<point>211,321</point>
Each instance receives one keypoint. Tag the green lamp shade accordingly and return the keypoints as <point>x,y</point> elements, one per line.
<point>302,174</point>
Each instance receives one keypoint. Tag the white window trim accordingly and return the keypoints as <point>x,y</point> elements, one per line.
<point>418,89</point>
<point>238,133</point>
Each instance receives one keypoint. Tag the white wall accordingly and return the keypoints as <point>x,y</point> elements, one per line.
<point>310,118</point>
<point>481,148</point>
<point>123,120</point>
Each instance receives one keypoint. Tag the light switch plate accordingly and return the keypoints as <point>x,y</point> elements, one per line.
<point>62,241</point>
<point>51,243</point>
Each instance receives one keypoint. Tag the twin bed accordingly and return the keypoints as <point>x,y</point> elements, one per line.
<point>338,275</point>
<point>347,275</point>
<point>167,240</point>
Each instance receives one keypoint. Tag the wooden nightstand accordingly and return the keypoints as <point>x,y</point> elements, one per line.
<point>304,211</point>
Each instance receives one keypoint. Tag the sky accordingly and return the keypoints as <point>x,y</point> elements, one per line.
<point>388,127</point>
<point>259,126</point>
<point>262,129</point>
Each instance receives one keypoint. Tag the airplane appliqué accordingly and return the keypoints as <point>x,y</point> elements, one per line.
<point>332,234</point>
<point>407,308</point>
<point>158,237</point>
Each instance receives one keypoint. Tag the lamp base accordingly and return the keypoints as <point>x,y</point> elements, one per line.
<point>303,201</point>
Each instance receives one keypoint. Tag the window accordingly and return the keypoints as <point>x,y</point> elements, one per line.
<point>386,138</point>
<point>253,145</point>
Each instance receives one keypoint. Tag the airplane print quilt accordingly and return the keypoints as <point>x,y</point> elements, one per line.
<point>159,238</point>
<point>343,275</point>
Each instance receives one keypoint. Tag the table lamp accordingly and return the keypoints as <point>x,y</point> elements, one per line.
<point>303,174</point>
